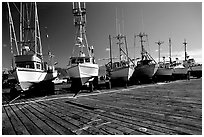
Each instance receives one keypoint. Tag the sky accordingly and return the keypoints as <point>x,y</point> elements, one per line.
<point>159,20</point>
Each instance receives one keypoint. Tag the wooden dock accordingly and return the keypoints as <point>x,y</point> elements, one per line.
<point>154,109</point>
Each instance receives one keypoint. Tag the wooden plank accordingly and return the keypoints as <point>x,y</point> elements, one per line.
<point>82,122</point>
<point>142,101</point>
<point>145,115</point>
<point>110,116</point>
<point>92,121</point>
<point>53,115</point>
<point>19,128</point>
<point>41,124</point>
<point>48,119</point>
<point>131,105</point>
<point>30,126</point>
<point>71,123</point>
<point>7,128</point>
<point>153,109</point>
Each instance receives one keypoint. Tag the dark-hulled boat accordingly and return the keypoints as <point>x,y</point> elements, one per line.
<point>147,66</point>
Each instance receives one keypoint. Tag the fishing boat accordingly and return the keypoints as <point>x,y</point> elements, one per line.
<point>30,68</point>
<point>147,66</point>
<point>120,71</point>
<point>82,68</point>
<point>164,71</point>
<point>180,71</point>
<point>195,69</point>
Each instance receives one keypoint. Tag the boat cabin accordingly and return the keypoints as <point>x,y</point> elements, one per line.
<point>144,62</point>
<point>120,64</point>
<point>29,61</point>
<point>77,60</point>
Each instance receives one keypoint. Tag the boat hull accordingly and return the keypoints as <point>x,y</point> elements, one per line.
<point>27,78</point>
<point>122,74</point>
<point>196,71</point>
<point>180,71</point>
<point>82,73</point>
<point>145,71</point>
<point>164,72</point>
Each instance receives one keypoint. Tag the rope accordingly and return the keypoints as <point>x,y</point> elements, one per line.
<point>20,13</point>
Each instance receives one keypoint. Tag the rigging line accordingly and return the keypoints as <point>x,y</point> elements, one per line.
<point>148,45</point>
<point>179,50</point>
<point>20,13</point>
<point>123,22</point>
<point>142,19</point>
<point>75,42</point>
<point>116,22</point>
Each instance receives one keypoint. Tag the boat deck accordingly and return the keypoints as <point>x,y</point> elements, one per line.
<point>153,109</point>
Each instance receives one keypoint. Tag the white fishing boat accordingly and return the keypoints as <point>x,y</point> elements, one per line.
<point>82,67</point>
<point>30,68</point>
<point>120,71</point>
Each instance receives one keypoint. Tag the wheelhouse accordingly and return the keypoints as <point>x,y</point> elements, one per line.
<point>28,61</point>
<point>77,60</point>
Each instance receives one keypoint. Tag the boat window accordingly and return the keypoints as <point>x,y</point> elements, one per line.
<point>73,61</point>
<point>30,65</point>
<point>25,65</point>
<point>81,60</point>
<point>87,60</point>
<point>38,66</point>
<point>20,65</point>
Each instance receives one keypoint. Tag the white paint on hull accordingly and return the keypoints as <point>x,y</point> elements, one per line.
<point>27,77</point>
<point>84,70</point>
<point>122,73</point>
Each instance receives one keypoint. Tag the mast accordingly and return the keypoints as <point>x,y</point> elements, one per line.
<point>12,37</point>
<point>185,43</point>
<point>111,59</point>
<point>141,35</point>
<point>21,27</point>
<point>159,44</point>
<point>79,12</point>
<point>170,50</point>
<point>38,29</point>
<point>126,50</point>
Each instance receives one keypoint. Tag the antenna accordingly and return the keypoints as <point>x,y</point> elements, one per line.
<point>159,44</point>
